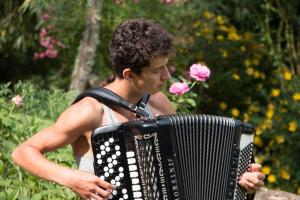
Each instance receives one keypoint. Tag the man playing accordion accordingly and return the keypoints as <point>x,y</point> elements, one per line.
<point>140,50</point>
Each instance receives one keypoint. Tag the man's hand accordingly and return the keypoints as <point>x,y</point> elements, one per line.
<point>88,186</point>
<point>253,179</point>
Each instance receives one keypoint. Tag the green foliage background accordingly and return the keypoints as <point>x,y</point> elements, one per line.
<point>252,48</point>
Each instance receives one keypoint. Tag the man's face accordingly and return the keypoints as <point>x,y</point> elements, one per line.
<point>154,76</point>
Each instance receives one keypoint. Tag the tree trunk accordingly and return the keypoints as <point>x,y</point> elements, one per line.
<point>85,58</point>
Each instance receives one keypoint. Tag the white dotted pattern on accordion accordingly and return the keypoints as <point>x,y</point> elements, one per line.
<point>108,160</point>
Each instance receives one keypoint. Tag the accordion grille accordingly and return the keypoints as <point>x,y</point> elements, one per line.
<point>202,145</point>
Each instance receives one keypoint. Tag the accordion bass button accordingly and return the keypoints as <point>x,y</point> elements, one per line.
<point>136,188</point>
<point>132,167</point>
<point>137,194</point>
<point>135,181</point>
<point>131,161</point>
<point>130,154</point>
<point>134,174</point>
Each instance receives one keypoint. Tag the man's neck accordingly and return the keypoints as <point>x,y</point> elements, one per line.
<point>123,89</point>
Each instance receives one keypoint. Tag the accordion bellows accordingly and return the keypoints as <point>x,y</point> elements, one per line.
<point>187,157</point>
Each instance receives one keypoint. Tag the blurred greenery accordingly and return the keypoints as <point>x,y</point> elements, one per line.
<point>252,48</point>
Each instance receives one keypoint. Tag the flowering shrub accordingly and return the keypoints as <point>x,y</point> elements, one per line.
<point>185,99</point>
<point>49,44</point>
<point>21,116</point>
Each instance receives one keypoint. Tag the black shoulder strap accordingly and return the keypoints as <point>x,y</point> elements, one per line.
<point>110,98</point>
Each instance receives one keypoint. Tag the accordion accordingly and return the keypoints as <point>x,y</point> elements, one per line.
<point>187,157</point>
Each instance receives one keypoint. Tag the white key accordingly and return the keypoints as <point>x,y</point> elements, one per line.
<point>110,196</point>
<point>107,149</point>
<point>106,144</point>
<point>117,147</point>
<point>130,154</point>
<point>125,196</point>
<point>111,171</point>
<point>134,174</point>
<point>114,192</point>
<point>135,181</point>
<point>102,178</point>
<point>111,140</point>
<point>121,175</point>
<point>137,194</point>
<point>109,160</point>
<point>118,153</point>
<point>132,167</point>
<point>103,153</point>
<point>102,147</point>
<point>131,161</point>
<point>121,169</point>
<point>99,161</point>
<point>117,178</point>
<point>136,188</point>
<point>106,174</point>
<point>105,169</point>
<point>98,155</point>
<point>124,191</point>
<point>115,162</point>
<point>118,184</point>
<point>113,181</point>
<point>113,156</point>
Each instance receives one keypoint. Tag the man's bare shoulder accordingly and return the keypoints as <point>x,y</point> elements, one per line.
<point>160,102</point>
<point>86,112</point>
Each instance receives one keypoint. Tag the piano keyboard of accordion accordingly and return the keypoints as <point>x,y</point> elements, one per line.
<point>187,157</point>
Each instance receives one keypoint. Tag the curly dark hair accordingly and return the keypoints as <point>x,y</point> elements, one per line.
<point>135,42</point>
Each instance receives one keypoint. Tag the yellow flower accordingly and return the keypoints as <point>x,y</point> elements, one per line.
<point>258,141</point>
<point>220,20</point>
<point>207,14</point>
<point>293,126</point>
<point>296,96</point>
<point>285,174</point>
<point>223,106</point>
<point>287,75</point>
<point>235,76</point>
<point>247,63</point>
<point>250,71</point>
<point>243,49</point>
<point>223,28</point>
<point>248,36</point>
<point>246,117</point>
<point>272,178</point>
<point>233,36</point>
<point>196,24</point>
<point>266,170</point>
<point>279,139</point>
<point>258,131</point>
<point>255,62</point>
<point>256,74</point>
<point>275,92</point>
<point>220,37</point>
<point>235,112</point>
<point>224,53</point>
<point>269,113</point>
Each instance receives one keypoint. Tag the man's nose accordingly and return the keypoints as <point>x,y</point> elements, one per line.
<point>166,74</point>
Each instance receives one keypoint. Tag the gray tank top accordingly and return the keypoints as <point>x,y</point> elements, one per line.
<point>85,163</point>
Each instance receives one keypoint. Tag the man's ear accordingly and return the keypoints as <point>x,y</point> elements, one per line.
<point>128,74</point>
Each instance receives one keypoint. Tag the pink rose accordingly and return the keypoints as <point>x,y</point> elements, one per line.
<point>51,53</point>
<point>18,100</point>
<point>199,72</point>
<point>179,88</point>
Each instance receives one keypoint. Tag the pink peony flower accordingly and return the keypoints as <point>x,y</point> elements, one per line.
<point>199,72</point>
<point>18,100</point>
<point>179,88</point>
